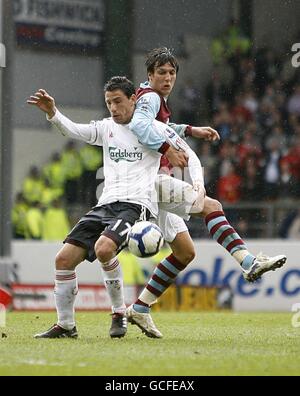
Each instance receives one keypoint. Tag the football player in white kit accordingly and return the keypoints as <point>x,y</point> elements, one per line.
<point>128,196</point>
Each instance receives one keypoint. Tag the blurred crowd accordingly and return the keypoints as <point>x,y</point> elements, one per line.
<point>252,100</point>
<point>42,209</point>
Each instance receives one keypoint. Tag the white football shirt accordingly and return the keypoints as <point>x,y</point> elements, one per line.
<point>130,169</point>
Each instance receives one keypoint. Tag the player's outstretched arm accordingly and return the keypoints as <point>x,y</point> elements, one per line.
<point>88,133</point>
<point>42,100</point>
<point>207,133</point>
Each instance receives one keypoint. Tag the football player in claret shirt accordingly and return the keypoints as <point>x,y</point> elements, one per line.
<point>162,68</point>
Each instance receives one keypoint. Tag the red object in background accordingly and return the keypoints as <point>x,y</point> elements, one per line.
<point>229,188</point>
<point>5,297</point>
<point>293,159</point>
<point>241,111</point>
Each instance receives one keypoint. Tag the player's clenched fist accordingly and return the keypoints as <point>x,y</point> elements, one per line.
<point>43,101</point>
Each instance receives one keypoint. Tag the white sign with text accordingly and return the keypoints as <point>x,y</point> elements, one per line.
<point>276,291</point>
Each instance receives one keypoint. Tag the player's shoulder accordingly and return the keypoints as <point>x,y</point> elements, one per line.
<point>146,93</point>
<point>150,98</point>
<point>105,121</point>
<point>104,125</point>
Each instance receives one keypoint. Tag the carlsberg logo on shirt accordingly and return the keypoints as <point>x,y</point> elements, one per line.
<point>117,155</point>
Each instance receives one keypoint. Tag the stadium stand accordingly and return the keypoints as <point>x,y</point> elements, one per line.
<point>253,100</point>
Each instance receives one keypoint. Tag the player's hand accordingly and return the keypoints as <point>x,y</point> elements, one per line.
<point>43,101</point>
<point>207,133</point>
<point>179,159</point>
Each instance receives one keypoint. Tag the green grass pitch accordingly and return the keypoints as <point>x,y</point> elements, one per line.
<point>193,344</point>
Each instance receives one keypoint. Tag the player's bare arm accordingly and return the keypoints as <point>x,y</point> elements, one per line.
<point>44,102</point>
<point>207,133</point>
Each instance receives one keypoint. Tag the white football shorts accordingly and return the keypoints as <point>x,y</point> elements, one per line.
<point>175,196</point>
<point>171,225</point>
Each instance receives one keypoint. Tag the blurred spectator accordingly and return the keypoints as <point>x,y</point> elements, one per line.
<point>293,106</point>
<point>272,170</point>
<point>222,121</point>
<point>34,221</point>
<point>239,111</point>
<point>230,43</point>
<point>250,102</point>
<point>50,194</point>
<point>54,172</point>
<point>235,39</point>
<point>293,158</point>
<point>227,157</point>
<point>229,186</point>
<point>289,186</point>
<point>251,185</point>
<point>277,133</point>
<point>72,169</point>
<point>56,225</point>
<point>19,213</point>
<point>33,186</point>
<point>92,160</point>
<point>249,147</point>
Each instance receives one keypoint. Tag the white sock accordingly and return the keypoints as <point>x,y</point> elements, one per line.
<point>244,258</point>
<point>66,290</point>
<point>113,280</point>
<point>240,255</point>
<point>147,297</point>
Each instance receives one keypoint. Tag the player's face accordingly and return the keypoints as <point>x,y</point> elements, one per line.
<point>163,79</point>
<point>120,107</point>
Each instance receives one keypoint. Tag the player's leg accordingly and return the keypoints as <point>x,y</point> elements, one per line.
<point>106,251</point>
<point>66,289</point>
<point>176,233</point>
<point>223,233</point>
<point>113,239</point>
<point>183,253</point>
<point>180,198</point>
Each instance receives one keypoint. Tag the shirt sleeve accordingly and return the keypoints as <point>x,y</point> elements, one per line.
<point>88,133</point>
<point>180,129</point>
<point>141,125</point>
<point>174,140</point>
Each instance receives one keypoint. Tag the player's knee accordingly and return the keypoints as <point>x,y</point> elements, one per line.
<point>187,256</point>
<point>216,206</point>
<point>190,256</point>
<point>211,205</point>
<point>105,250</point>
<point>103,253</point>
<point>63,263</point>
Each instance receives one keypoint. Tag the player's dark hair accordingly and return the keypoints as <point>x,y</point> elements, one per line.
<point>122,83</point>
<point>159,57</point>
